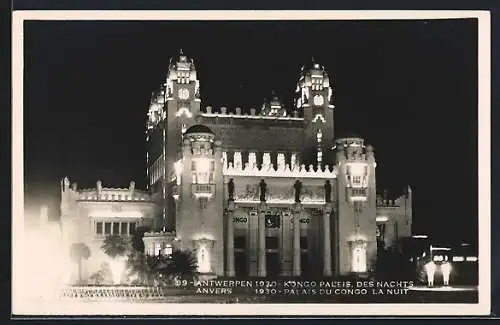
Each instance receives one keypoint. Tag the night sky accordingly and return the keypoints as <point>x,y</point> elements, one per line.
<point>408,87</point>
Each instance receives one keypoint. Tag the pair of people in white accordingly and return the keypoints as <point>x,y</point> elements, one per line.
<point>430,270</point>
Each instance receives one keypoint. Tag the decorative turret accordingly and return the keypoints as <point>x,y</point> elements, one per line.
<point>274,107</point>
<point>356,205</point>
<point>200,194</point>
<point>313,98</point>
<point>313,87</point>
<point>355,159</point>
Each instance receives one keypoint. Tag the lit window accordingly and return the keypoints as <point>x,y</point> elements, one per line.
<point>157,249</point>
<point>356,180</point>
<point>168,250</point>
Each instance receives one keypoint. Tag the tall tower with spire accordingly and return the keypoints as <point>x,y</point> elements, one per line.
<point>172,111</point>
<point>313,100</point>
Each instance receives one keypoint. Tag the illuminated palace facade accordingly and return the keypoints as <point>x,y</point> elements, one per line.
<point>264,192</point>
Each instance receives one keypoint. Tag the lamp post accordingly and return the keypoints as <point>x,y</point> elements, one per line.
<point>446,271</point>
<point>430,270</point>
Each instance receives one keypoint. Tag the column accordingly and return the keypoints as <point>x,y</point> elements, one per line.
<point>262,240</point>
<point>230,240</point>
<point>296,239</point>
<point>327,252</point>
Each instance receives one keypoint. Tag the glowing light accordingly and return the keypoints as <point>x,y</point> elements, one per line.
<point>293,160</point>
<point>430,270</point>
<point>117,266</point>
<point>202,166</point>
<point>434,248</point>
<point>419,236</point>
<point>319,117</point>
<point>319,136</point>
<point>281,201</point>
<point>203,260</point>
<point>446,271</point>
<point>295,171</point>
<point>382,218</point>
<point>438,258</point>
<point>266,159</point>
<point>178,167</point>
<point>471,258</point>
<point>255,117</point>
<point>359,259</point>
<point>237,159</point>
<point>252,160</point>
<point>458,259</point>
<point>281,161</point>
<point>184,111</point>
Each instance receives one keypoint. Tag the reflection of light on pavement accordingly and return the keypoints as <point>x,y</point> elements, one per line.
<point>444,289</point>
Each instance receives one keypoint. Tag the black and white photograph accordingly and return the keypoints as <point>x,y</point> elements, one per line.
<point>279,162</point>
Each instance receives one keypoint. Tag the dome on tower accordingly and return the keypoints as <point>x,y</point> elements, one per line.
<point>199,128</point>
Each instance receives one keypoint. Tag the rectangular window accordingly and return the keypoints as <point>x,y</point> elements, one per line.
<point>157,249</point>
<point>168,250</point>
<point>132,228</point>
<point>304,244</point>
<point>98,228</point>
<point>124,228</point>
<point>116,228</point>
<point>107,228</point>
<point>356,180</point>
<point>272,242</point>
<point>240,242</point>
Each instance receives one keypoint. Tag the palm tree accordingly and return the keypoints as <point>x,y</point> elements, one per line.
<point>79,252</point>
<point>116,247</point>
<point>180,265</point>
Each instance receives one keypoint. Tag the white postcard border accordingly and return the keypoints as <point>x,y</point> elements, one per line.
<point>21,306</point>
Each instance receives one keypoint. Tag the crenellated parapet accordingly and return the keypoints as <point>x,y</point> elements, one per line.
<point>237,113</point>
<point>283,170</point>
<point>100,193</point>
